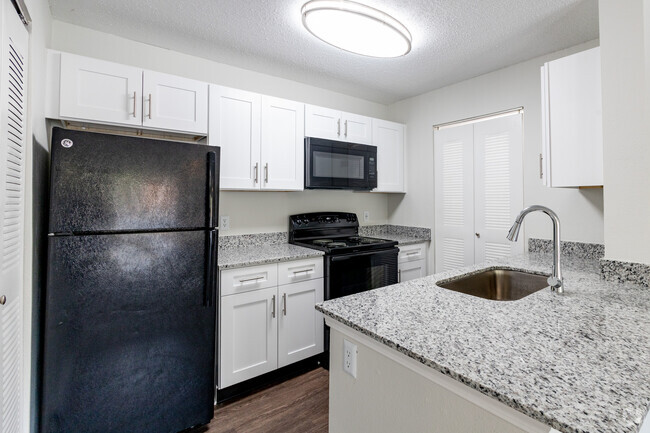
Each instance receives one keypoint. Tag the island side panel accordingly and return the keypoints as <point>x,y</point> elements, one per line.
<point>387,397</point>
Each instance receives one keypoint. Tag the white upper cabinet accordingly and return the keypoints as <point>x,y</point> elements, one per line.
<point>337,125</point>
<point>261,140</point>
<point>389,139</point>
<point>572,131</point>
<point>97,91</point>
<point>235,128</point>
<point>283,149</point>
<point>175,103</point>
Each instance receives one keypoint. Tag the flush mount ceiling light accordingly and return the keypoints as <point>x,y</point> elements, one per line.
<point>357,28</point>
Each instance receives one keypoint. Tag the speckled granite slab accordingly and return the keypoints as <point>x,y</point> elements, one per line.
<point>404,235</point>
<point>569,248</point>
<point>617,271</point>
<point>272,238</point>
<point>238,257</point>
<point>578,362</point>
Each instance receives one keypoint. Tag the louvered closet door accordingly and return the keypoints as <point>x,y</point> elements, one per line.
<point>498,185</point>
<point>13,78</point>
<point>454,197</point>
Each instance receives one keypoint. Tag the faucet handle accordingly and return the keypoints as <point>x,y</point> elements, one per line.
<point>555,283</point>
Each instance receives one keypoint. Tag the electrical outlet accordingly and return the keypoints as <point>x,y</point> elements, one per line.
<point>225,223</point>
<point>350,358</point>
<point>366,216</point>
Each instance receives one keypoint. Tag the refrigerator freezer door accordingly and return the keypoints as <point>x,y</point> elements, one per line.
<point>129,333</point>
<point>109,183</point>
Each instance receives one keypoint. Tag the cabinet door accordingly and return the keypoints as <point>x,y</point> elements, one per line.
<point>235,127</point>
<point>454,197</point>
<point>356,129</point>
<point>283,148</point>
<point>300,333</point>
<point>575,131</point>
<point>175,103</point>
<point>100,91</point>
<point>249,335</point>
<point>412,270</point>
<point>498,186</point>
<point>389,139</point>
<point>323,122</point>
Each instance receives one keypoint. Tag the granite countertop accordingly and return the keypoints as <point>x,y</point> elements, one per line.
<point>404,235</point>
<point>403,239</point>
<point>251,255</point>
<point>578,362</point>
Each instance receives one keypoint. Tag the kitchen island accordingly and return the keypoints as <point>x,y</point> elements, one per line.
<point>431,359</point>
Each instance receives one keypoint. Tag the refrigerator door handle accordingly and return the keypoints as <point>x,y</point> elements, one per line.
<point>210,267</point>
<point>212,198</point>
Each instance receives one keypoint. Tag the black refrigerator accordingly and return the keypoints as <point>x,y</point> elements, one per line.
<point>130,316</point>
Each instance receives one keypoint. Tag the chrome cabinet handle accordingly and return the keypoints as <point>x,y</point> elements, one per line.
<point>346,128</point>
<point>250,279</point>
<point>3,300</point>
<point>273,306</point>
<point>256,170</point>
<point>304,271</point>
<point>411,253</point>
<point>284,304</point>
<point>149,106</point>
<point>338,127</point>
<point>134,96</point>
<point>266,173</point>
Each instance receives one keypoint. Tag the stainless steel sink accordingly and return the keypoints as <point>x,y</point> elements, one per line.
<point>498,284</point>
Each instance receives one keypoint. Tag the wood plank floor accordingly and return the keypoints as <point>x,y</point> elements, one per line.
<point>299,405</point>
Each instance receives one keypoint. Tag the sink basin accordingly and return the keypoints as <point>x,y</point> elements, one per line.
<point>498,284</point>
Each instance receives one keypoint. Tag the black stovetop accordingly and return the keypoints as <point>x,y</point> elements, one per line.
<point>332,232</point>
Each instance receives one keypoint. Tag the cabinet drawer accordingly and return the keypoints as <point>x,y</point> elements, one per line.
<point>410,253</point>
<point>242,280</point>
<point>300,270</point>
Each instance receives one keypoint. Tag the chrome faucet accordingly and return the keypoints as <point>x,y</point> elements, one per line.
<point>555,280</point>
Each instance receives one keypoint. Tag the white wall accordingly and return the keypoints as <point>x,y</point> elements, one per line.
<point>249,212</point>
<point>625,54</point>
<point>580,211</point>
<point>35,199</point>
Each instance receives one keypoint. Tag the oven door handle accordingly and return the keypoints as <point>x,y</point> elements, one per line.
<point>369,253</point>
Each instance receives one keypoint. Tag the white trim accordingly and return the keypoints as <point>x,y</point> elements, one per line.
<point>489,404</point>
<point>481,118</point>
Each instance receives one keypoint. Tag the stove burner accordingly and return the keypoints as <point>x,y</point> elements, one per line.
<point>322,241</point>
<point>336,244</point>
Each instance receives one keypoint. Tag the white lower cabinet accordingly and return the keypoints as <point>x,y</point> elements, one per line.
<point>264,326</point>
<point>300,328</point>
<point>412,262</point>
<point>249,337</point>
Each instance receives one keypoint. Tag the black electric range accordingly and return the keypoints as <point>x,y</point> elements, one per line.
<point>353,263</point>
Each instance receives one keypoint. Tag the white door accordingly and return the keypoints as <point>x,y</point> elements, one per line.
<point>249,335</point>
<point>282,143</point>
<point>300,332</point>
<point>356,128</point>
<point>389,139</point>
<point>454,197</point>
<point>100,91</point>
<point>322,122</point>
<point>235,128</point>
<point>175,103</point>
<point>13,142</point>
<point>498,186</point>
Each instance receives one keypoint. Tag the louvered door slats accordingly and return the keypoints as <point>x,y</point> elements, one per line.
<point>13,73</point>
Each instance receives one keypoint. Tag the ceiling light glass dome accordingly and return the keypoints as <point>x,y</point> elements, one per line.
<point>357,28</point>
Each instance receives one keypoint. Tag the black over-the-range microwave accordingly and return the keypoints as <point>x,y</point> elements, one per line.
<point>331,164</point>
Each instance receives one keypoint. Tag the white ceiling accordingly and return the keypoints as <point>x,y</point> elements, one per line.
<point>453,40</point>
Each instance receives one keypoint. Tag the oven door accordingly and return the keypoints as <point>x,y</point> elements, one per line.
<point>337,165</point>
<point>357,272</point>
